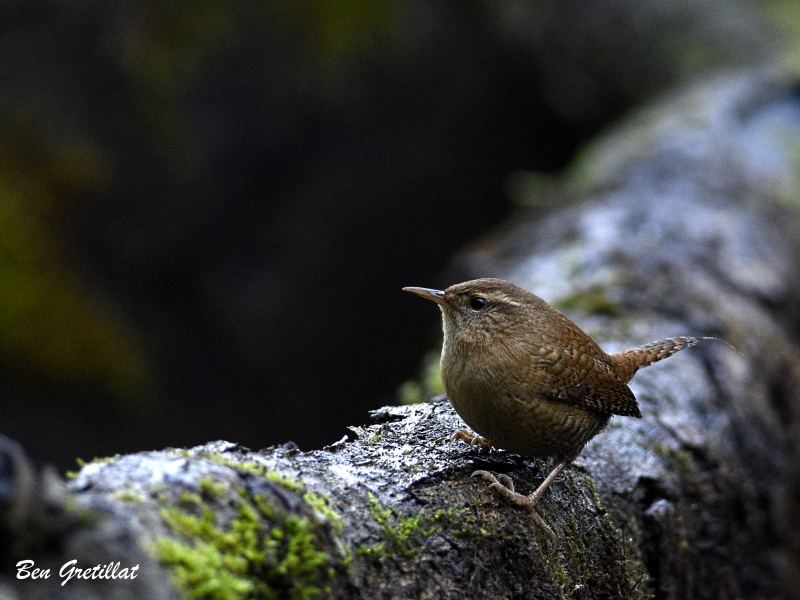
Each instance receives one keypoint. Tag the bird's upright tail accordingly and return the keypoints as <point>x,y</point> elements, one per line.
<point>627,362</point>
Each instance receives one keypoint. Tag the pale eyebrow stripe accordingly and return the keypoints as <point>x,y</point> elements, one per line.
<point>507,299</point>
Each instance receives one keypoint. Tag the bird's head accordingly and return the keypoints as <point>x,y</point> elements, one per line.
<point>475,311</point>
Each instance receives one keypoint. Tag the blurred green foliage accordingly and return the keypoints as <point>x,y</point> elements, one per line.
<point>427,386</point>
<point>336,32</point>
<point>785,15</point>
<point>51,331</point>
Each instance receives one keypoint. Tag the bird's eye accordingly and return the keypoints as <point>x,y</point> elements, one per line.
<point>477,303</point>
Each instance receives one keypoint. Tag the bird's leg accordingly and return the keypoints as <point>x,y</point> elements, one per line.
<point>472,439</point>
<point>505,485</point>
<point>535,496</point>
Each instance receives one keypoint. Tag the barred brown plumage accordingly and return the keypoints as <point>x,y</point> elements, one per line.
<point>627,362</point>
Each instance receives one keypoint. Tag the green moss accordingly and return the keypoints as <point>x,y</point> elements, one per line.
<point>595,300</point>
<point>322,506</point>
<point>289,484</point>
<point>373,552</point>
<point>82,463</point>
<point>254,468</point>
<point>577,550</point>
<point>376,437</point>
<point>262,553</point>
<point>596,502</point>
<point>248,466</point>
<point>401,534</point>
<point>573,564</point>
<point>560,576</point>
<point>191,498</point>
<point>453,520</point>
<point>79,512</point>
<point>106,459</point>
<point>212,489</point>
<point>128,496</point>
<point>580,551</point>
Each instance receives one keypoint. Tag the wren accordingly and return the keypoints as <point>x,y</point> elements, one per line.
<point>529,380</point>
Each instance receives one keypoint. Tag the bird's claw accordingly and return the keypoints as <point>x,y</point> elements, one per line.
<point>506,481</point>
<point>471,439</point>
<point>500,480</point>
<point>486,475</point>
<point>505,485</point>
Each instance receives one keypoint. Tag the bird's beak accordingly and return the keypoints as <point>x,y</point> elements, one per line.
<point>435,295</point>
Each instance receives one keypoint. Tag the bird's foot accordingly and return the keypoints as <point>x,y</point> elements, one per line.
<point>472,439</point>
<point>505,485</point>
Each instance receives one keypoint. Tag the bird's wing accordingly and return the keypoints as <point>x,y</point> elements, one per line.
<point>577,378</point>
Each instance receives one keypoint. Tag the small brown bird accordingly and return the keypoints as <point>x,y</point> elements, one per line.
<point>529,380</point>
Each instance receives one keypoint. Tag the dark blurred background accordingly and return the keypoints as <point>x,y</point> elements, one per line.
<point>208,208</point>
